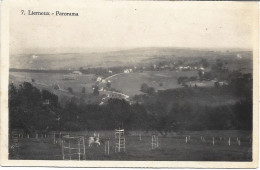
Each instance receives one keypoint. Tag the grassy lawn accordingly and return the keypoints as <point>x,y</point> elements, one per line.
<point>171,148</point>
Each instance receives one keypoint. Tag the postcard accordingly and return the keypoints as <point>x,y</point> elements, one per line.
<point>152,84</point>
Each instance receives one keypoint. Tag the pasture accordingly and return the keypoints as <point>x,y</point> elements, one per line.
<point>76,82</point>
<point>127,83</point>
<point>171,148</point>
<point>130,83</point>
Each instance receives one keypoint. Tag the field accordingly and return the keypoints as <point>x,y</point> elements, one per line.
<point>127,83</point>
<point>116,57</point>
<point>76,82</point>
<point>130,83</point>
<point>171,148</point>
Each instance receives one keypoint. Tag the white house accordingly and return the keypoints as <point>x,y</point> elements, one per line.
<point>128,70</point>
<point>223,83</point>
<point>77,72</point>
<point>180,67</point>
<point>201,68</point>
<point>99,79</point>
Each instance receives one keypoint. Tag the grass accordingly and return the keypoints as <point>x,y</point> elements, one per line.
<point>130,84</point>
<point>49,79</point>
<point>172,148</point>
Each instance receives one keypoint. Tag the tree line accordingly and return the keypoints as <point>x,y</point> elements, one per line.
<point>29,110</point>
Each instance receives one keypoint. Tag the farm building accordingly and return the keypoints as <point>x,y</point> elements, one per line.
<point>99,79</point>
<point>223,83</point>
<point>77,72</point>
<point>201,68</point>
<point>128,70</point>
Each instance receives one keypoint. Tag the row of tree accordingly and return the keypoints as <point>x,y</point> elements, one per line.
<point>28,110</point>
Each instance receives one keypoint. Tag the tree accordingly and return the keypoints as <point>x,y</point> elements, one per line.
<point>204,63</point>
<point>150,91</point>
<point>159,119</point>
<point>200,73</point>
<point>182,79</point>
<point>95,91</point>
<point>83,90</point>
<point>26,110</point>
<point>208,75</point>
<point>56,87</point>
<point>70,90</point>
<point>216,84</point>
<point>144,88</point>
<point>46,95</point>
<point>81,69</point>
<point>219,63</point>
<point>193,78</point>
<point>108,84</point>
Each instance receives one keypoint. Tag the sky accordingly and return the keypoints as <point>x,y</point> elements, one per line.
<point>117,24</point>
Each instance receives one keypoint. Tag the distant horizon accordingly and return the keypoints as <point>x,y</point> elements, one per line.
<point>82,50</point>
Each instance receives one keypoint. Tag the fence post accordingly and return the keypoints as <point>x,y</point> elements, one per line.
<point>62,150</point>
<point>108,148</point>
<point>157,143</point>
<point>79,148</point>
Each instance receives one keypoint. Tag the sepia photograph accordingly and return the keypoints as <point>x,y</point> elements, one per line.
<point>124,81</point>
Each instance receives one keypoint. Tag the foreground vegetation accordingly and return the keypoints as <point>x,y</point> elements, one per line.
<point>185,108</point>
<point>171,148</point>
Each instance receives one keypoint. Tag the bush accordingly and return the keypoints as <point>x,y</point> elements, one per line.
<point>150,91</point>
<point>144,88</point>
<point>95,91</point>
<point>182,79</point>
<point>70,90</point>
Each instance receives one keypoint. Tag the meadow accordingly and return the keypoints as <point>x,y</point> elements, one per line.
<point>127,83</point>
<point>171,148</point>
<point>130,83</point>
<point>76,82</point>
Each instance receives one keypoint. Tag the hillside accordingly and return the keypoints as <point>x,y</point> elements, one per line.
<point>111,58</point>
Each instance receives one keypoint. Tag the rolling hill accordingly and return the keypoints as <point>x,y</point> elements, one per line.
<point>74,60</point>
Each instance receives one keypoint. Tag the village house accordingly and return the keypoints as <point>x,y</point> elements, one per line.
<point>77,72</point>
<point>223,83</point>
<point>128,70</point>
<point>99,79</point>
